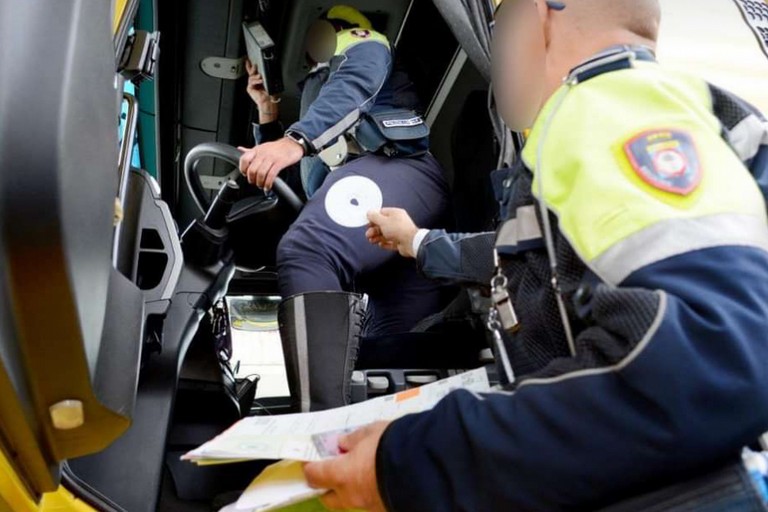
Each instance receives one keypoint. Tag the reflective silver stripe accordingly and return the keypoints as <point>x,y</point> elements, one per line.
<point>747,137</point>
<point>302,355</point>
<point>523,228</point>
<point>678,236</point>
<point>335,131</point>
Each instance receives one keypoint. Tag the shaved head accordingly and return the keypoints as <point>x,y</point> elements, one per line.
<point>536,44</point>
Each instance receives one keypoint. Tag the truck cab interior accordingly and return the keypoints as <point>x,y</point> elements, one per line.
<point>150,256</point>
<point>134,260</point>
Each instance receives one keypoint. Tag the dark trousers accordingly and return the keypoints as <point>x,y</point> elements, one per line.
<point>319,254</point>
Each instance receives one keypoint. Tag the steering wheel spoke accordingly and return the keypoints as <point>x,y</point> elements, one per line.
<point>231,155</point>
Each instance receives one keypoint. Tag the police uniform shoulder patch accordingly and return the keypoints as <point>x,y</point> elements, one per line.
<point>361,33</point>
<point>666,160</point>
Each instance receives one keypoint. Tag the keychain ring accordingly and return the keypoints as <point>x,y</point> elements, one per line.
<point>499,281</point>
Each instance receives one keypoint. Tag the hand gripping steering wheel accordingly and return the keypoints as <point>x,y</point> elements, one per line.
<point>231,155</point>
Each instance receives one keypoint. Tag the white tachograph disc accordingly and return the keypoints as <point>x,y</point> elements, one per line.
<point>350,199</point>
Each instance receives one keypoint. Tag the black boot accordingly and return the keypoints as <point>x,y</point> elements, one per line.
<point>320,332</point>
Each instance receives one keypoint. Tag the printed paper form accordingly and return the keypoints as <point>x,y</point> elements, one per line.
<point>290,436</point>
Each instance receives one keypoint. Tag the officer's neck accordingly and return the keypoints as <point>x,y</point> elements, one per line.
<point>563,55</point>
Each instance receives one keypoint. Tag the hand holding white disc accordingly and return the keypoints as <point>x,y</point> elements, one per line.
<point>350,199</point>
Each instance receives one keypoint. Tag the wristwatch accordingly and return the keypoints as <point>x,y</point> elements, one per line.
<point>300,140</point>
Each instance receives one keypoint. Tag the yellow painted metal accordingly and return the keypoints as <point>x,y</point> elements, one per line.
<point>120,6</point>
<point>63,501</point>
<point>15,497</point>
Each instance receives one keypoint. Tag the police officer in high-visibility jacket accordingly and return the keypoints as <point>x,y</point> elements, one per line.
<point>351,98</point>
<point>636,254</point>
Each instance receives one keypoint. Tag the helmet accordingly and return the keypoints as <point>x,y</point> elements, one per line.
<point>347,17</point>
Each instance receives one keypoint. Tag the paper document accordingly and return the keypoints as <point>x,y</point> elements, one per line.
<point>290,436</point>
<point>279,485</point>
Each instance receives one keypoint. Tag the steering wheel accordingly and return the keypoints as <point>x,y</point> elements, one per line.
<point>230,155</point>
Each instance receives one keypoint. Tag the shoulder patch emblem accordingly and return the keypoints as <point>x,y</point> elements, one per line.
<point>665,159</point>
<point>361,33</point>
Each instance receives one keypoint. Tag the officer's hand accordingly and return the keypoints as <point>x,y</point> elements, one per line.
<point>267,105</point>
<point>262,164</point>
<point>351,478</point>
<point>393,229</point>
